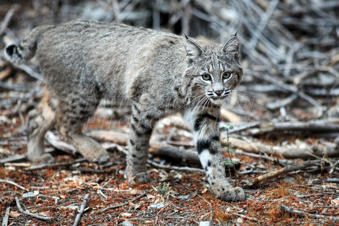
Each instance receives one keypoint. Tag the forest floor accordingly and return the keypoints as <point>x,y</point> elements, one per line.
<point>173,197</point>
<point>286,159</point>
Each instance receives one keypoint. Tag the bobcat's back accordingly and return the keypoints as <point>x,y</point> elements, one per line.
<point>121,60</point>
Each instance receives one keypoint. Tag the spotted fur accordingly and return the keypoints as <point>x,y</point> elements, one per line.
<point>157,73</point>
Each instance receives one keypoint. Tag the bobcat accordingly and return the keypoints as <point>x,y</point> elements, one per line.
<point>158,73</point>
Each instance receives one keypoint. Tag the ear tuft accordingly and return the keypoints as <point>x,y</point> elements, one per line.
<point>231,46</point>
<point>193,50</point>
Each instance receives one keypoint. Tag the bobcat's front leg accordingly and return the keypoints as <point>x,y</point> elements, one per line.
<point>140,133</point>
<point>206,136</point>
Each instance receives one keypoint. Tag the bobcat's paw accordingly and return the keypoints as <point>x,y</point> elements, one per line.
<point>142,178</point>
<point>43,159</point>
<point>227,193</point>
<point>103,158</point>
<point>233,195</point>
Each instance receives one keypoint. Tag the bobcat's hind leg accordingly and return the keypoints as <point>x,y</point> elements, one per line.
<point>140,134</point>
<point>40,120</point>
<point>73,112</point>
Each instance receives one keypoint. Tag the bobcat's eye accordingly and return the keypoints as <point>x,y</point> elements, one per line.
<point>226,75</point>
<point>206,76</point>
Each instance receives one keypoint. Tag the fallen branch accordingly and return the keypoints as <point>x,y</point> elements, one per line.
<point>53,165</point>
<point>176,154</point>
<point>156,148</point>
<point>331,125</point>
<point>229,116</point>
<point>123,204</point>
<point>168,167</point>
<point>112,136</point>
<point>31,214</point>
<point>82,209</point>
<point>285,170</point>
<point>174,167</point>
<point>285,152</point>
<point>94,171</point>
<point>58,144</point>
<point>176,121</point>
<point>163,150</point>
<point>290,210</point>
<point>281,162</point>
<point>14,158</point>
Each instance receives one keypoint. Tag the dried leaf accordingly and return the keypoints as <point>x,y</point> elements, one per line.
<point>46,213</point>
<point>126,214</point>
<point>335,202</point>
<point>14,214</point>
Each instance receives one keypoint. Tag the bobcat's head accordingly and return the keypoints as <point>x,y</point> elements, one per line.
<point>213,70</point>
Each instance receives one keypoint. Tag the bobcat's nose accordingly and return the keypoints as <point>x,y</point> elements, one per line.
<point>219,92</point>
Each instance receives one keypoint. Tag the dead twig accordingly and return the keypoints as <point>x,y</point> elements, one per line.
<point>174,167</point>
<point>5,219</point>
<point>7,19</point>
<point>263,23</point>
<point>87,170</point>
<point>286,87</point>
<point>276,173</point>
<point>29,71</point>
<point>13,183</point>
<point>281,162</point>
<point>31,214</point>
<point>211,215</point>
<point>82,209</point>
<point>123,204</point>
<point>162,209</point>
<point>290,210</point>
<point>102,194</point>
<point>282,103</point>
<point>246,217</point>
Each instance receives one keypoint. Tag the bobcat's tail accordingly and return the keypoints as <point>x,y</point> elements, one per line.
<point>26,49</point>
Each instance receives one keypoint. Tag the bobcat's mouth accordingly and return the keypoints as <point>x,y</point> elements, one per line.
<point>217,100</point>
<point>217,97</point>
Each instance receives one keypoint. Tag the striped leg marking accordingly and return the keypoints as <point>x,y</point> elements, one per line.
<point>206,136</point>
<point>140,134</point>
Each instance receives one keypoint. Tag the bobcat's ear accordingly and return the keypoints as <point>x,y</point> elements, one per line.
<point>193,50</point>
<point>232,46</point>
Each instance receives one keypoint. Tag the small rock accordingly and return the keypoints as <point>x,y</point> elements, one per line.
<point>29,194</point>
<point>240,220</point>
<point>156,206</point>
<point>182,197</point>
<point>126,223</point>
<point>204,223</point>
<point>289,179</point>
